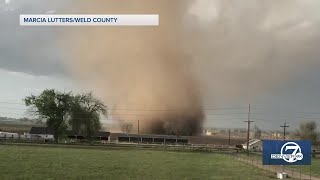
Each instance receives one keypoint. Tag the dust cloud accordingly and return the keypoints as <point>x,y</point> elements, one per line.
<point>202,50</point>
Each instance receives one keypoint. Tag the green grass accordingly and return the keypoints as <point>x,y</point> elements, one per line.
<point>314,168</point>
<point>23,162</point>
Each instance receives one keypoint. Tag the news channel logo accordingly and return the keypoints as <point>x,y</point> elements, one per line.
<point>276,152</point>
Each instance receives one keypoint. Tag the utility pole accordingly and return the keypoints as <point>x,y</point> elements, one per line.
<point>248,130</point>
<point>284,138</point>
<point>284,130</point>
<point>229,131</point>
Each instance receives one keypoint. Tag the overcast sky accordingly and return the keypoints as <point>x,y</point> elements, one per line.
<point>31,60</point>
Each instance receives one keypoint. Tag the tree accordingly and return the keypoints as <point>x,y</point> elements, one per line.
<point>173,127</point>
<point>169,127</point>
<point>38,122</point>
<point>257,132</point>
<point>85,115</point>
<point>52,106</point>
<point>307,131</point>
<point>126,127</point>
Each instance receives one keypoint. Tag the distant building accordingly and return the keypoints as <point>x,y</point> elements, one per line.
<point>48,134</point>
<point>41,133</point>
<point>254,145</point>
<point>101,135</point>
<point>276,135</point>
<point>148,138</point>
<point>8,135</point>
<point>207,132</point>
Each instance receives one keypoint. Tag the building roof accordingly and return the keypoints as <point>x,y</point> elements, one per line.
<point>97,134</point>
<point>47,130</point>
<point>252,142</point>
<point>102,134</point>
<point>149,136</point>
<point>41,130</point>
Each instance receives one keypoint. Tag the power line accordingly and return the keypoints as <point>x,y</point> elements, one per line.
<point>3,102</point>
<point>177,109</point>
<point>115,111</point>
<point>215,119</point>
<point>213,114</point>
<point>226,111</point>
<point>306,115</point>
<point>14,108</point>
<point>207,109</point>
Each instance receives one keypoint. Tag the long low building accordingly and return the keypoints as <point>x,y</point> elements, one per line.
<point>41,133</point>
<point>47,133</point>
<point>151,138</point>
<point>148,138</point>
<point>8,135</point>
<point>216,140</point>
<point>101,135</point>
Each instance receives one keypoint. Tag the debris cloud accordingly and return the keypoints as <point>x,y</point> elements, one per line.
<point>202,51</point>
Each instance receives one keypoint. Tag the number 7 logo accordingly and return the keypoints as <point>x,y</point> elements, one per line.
<point>295,155</point>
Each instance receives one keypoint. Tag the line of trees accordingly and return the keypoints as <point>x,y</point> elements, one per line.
<point>307,131</point>
<point>126,127</point>
<point>23,120</point>
<point>61,110</point>
<point>257,132</point>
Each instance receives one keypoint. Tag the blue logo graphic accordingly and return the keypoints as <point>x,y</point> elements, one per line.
<point>277,152</point>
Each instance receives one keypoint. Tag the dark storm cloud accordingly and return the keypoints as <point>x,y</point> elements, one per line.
<point>32,50</point>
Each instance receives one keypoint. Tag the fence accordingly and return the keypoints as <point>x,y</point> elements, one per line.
<point>297,172</point>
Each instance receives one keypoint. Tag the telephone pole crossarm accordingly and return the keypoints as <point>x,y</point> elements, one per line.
<point>284,130</point>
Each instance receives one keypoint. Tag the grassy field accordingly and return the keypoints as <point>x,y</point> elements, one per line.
<point>21,162</point>
<point>314,168</point>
